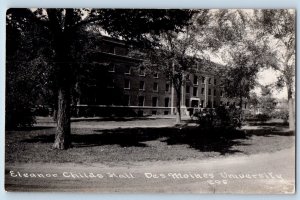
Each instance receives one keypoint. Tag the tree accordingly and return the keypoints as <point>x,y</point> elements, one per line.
<point>231,31</point>
<point>27,70</point>
<point>243,55</point>
<point>64,26</point>
<point>253,102</point>
<point>277,29</point>
<point>176,56</point>
<point>267,102</point>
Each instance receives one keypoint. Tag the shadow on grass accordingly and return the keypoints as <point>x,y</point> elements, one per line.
<point>204,140</point>
<point>273,124</point>
<point>33,128</point>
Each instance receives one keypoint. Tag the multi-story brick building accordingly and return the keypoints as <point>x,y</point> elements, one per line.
<point>122,88</point>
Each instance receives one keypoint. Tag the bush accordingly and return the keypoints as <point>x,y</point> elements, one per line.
<point>282,114</point>
<point>263,117</point>
<point>220,117</point>
<point>18,116</point>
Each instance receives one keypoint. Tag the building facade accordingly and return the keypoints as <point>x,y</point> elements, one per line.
<point>121,88</point>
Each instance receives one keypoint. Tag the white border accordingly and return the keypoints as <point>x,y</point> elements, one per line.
<point>4,4</point>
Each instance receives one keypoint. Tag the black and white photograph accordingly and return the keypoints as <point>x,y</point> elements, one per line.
<point>193,101</point>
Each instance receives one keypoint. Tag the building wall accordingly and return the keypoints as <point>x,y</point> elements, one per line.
<point>119,92</point>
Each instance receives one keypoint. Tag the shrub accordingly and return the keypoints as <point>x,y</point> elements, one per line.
<point>18,116</point>
<point>263,117</point>
<point>282,114</point>
<point>230,117</point>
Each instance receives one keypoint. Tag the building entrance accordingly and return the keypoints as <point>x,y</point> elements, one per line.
<point>195,103</point>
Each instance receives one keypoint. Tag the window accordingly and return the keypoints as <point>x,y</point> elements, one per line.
<point>209,81</point>
<point>167,87</point>
<point>209,104</point>
<point>221,93</point>
<point>215,81</point>
<point>127,84</point>
<point>187,89</point>
<point>141,100</point>
<point>155,86</point>
<point>215,92</point>
<point>111,83</point>
<point>195,91</point>
<point>166,112</point>
<point>142,72</point>
<point>126,100</point>
<point>155,75</point>
<point>107,48</point>
<point>202,90</point>
<point>121,51</point>
<point>187,102</point>
<point>209,91</point>
<point>142,85</point>
<point>203,79</point>
<point>202,103</point>
<point>127,70</point>
<point>245,105</point>
<point>195,80</point>
<point>167,102</point>
<point>111,68</point>
<point>154,101</point>
<point>154,112</point>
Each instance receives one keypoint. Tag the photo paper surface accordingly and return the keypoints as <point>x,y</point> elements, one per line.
<point>150,100</point>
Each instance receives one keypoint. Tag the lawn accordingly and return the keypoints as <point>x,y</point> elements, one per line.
<point>126,141</point>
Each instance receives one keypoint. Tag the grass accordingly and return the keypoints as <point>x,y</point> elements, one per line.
<point>129,144</point>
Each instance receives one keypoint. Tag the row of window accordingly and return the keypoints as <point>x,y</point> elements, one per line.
<point>195,91</point>
<point>141,101</point>
<point>195,80</point>
<point>128,71</point>
<point>127,85</point>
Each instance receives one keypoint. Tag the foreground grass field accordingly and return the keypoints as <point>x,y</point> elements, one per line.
<point>115,142</point>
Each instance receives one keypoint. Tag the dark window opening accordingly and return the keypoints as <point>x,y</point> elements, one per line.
<point>141,100</point>
<point>187,89</point>
<point>142,85</point>
<point>187,103</point>
<point>195,80</point>
<point>167,87</point>
<point>128,70</point>
<point>202,90</point>
<point>154,101</point>
<point>127,84</point>
<point>155,86</point>
<point>195,91</point>
<point>167,100</point>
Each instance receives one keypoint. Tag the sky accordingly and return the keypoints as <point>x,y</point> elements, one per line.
<point>269,76</point>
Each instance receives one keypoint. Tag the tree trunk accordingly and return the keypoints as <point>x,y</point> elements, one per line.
<point>63,129</point>
<point>178,107</point>
<point>291,109</point>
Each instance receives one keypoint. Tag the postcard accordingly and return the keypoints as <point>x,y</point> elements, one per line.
<point>150,100</point>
